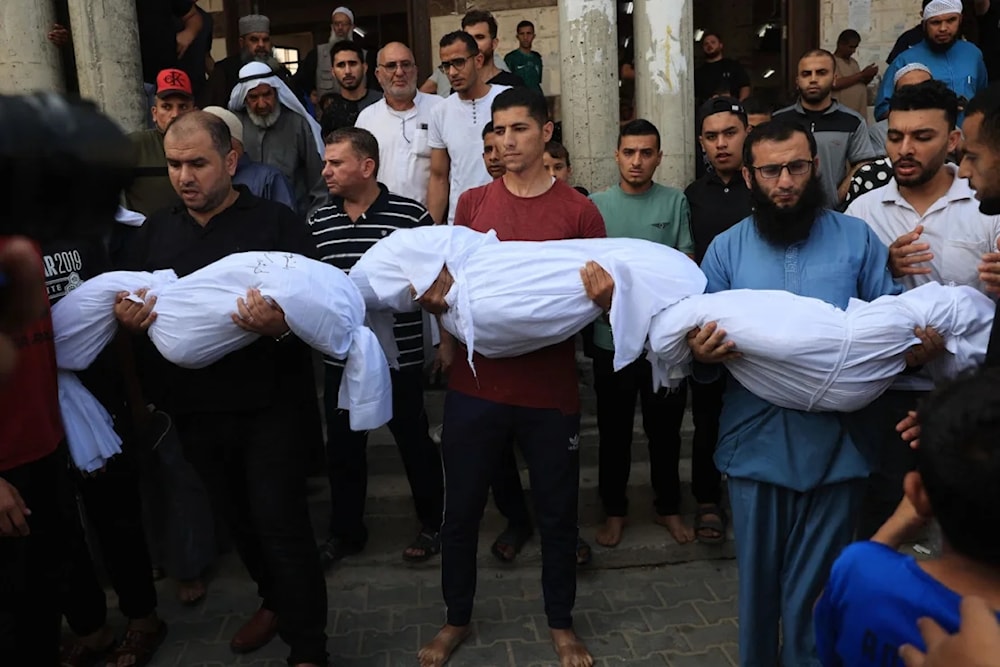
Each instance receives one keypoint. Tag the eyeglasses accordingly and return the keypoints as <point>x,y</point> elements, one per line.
<point>795,168</point>
<point>404,65</point>
<point>457,63</point>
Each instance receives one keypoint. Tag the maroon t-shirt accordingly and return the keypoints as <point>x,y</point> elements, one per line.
<point>30,422</point>
<point>545,378</point>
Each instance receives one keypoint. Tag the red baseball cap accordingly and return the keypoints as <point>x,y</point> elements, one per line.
<point>173,82</point>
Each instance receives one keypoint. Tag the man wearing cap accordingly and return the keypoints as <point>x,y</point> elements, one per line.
<point>907,75</point>
<point>262,180</point>
<point>277,130</point>
<point>401,121</point>
<point>255,44</point>
<point>151,191</point>
<point>950,59</point>
<point>717,200</point>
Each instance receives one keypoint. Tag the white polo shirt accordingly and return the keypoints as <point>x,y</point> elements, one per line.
<point>404,154</point>
<point>958,235</point>
<point>457,126</point>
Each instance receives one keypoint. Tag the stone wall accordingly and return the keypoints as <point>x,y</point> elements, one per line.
<point>879,23</point>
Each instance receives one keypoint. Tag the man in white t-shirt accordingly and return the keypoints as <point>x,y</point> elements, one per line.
<point>400,121</point>
<point>456,127</point>
<point>930,219</point>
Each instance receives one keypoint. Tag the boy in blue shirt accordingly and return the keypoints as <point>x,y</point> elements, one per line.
<point>875,594</point>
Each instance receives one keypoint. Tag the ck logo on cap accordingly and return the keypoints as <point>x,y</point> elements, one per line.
<point>174,79</point>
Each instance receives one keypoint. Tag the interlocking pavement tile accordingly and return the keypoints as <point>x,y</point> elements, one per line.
<point>407,616</point>
<point>612,645</point>
<point>207,630</point>
<point>690,591</point>
<point>347,644</point>
<point>633,594</point>
<point>647,643</point>
<point>724,589</point>
<point>373,642</point>
<point>393,596</point>
<point>350,597</point>
<point>721,610</point>
<point>618,621</point>
<point>348,619</point>
<point>661,618</point>
<point>488,631</point>
<point>654,660</point>
<point>592,600</point>
<point>494,655</point>
<point>519,606</point>
<point>714,657</point>
<point>701,637</point>
<point>530,653</point>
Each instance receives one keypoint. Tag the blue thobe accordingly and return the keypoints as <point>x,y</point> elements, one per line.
<point>264,181</point>
<point>961,68</point>
<point>793,475</point>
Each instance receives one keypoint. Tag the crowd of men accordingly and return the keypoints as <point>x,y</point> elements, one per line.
<point>265,166</point>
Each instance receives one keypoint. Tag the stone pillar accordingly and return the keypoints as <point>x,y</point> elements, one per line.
<point>28,61</point>
<point>588,47</point>
<point>108,61</point>
<point>664,82</point>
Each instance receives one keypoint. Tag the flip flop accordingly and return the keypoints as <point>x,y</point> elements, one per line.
<point>513,538</point>
<point>716,523</point>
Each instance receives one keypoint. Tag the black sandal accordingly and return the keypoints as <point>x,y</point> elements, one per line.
<point>429,544</point>
<point>512,538</point>
<point>716,524</point>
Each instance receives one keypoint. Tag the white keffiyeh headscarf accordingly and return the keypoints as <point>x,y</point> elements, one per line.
<point>254,74</point>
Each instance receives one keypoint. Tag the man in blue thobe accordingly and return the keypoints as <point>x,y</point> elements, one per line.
<point>795,478</point>
<point>950,58</point>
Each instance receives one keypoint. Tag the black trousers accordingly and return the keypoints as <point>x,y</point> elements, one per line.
<point>35,570</point>
<point>508,493</point>
<point>662,414</point>
<point>476,433</point>
<point>256,477</point>
<point>347,461</point>
<point>706,407</point>
<point>893,458</point>
<point>113,509</point>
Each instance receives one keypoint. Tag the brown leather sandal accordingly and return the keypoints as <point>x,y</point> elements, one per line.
<point>74,654</point>
<point>138,645</point>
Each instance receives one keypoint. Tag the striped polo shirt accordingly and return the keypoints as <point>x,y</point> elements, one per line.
<point>341,242</point>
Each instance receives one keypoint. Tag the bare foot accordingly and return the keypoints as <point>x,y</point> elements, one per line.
<point>610,534</point>
<point>680,531</point>
<point>437,651</point>
<point>191,591</point>
<point>569,648</point>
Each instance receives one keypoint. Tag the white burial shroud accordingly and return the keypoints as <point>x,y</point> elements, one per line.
<point>514,297</point>
<point>90,431</point>
<point>805,354</point>
<point>193,327</point>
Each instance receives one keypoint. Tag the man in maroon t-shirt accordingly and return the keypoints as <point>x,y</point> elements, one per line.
<point>532,399</point>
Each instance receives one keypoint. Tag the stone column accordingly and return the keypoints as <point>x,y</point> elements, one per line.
<point>588,38</point>
<point>108,61</point>
<point>28,61</point>
<point>664,82</point>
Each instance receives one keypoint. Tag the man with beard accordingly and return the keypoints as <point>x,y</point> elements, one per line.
<point>351,72</point>
<point>238,418</point>
<point>719,74</point>
<point>277,130</point>
<point>255,44</point>
<point>400,122</point>
<point>953,60</point>
<point>930,219</point>
<point>316,71</point>
<point>841,135</point>
<point>794,476</point>
<point>981,165</point>
<point>456,126</point>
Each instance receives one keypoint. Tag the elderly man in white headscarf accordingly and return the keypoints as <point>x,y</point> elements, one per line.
<point>951,59</point>
<point>316,71</point>
<point>277,130</point>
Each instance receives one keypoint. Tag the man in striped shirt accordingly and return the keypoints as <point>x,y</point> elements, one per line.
<point>358,212</point>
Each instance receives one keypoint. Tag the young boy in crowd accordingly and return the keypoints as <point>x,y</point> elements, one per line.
<point>875,595</point>
<point>556,161</point>
<point>492,155</point>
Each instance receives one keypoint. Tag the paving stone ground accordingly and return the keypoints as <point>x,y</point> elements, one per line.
<point>679,615</point>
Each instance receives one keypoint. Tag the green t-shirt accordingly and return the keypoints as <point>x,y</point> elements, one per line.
<point>661,214</point>
<point>528,66</point>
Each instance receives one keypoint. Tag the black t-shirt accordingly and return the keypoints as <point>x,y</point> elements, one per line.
<point>67,265</point>
<point>715,207</point>
<point>507,79</point>
<point>344,113</point>
<point>989,40</point>
<point>158,24</point>
<point>709,78</point>
<point>264,373</point>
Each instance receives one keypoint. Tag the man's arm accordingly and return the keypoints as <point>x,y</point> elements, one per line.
<point>981,6</point>
<point>192,26</point>
<point>438,185</point>
<point>860,149</point>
